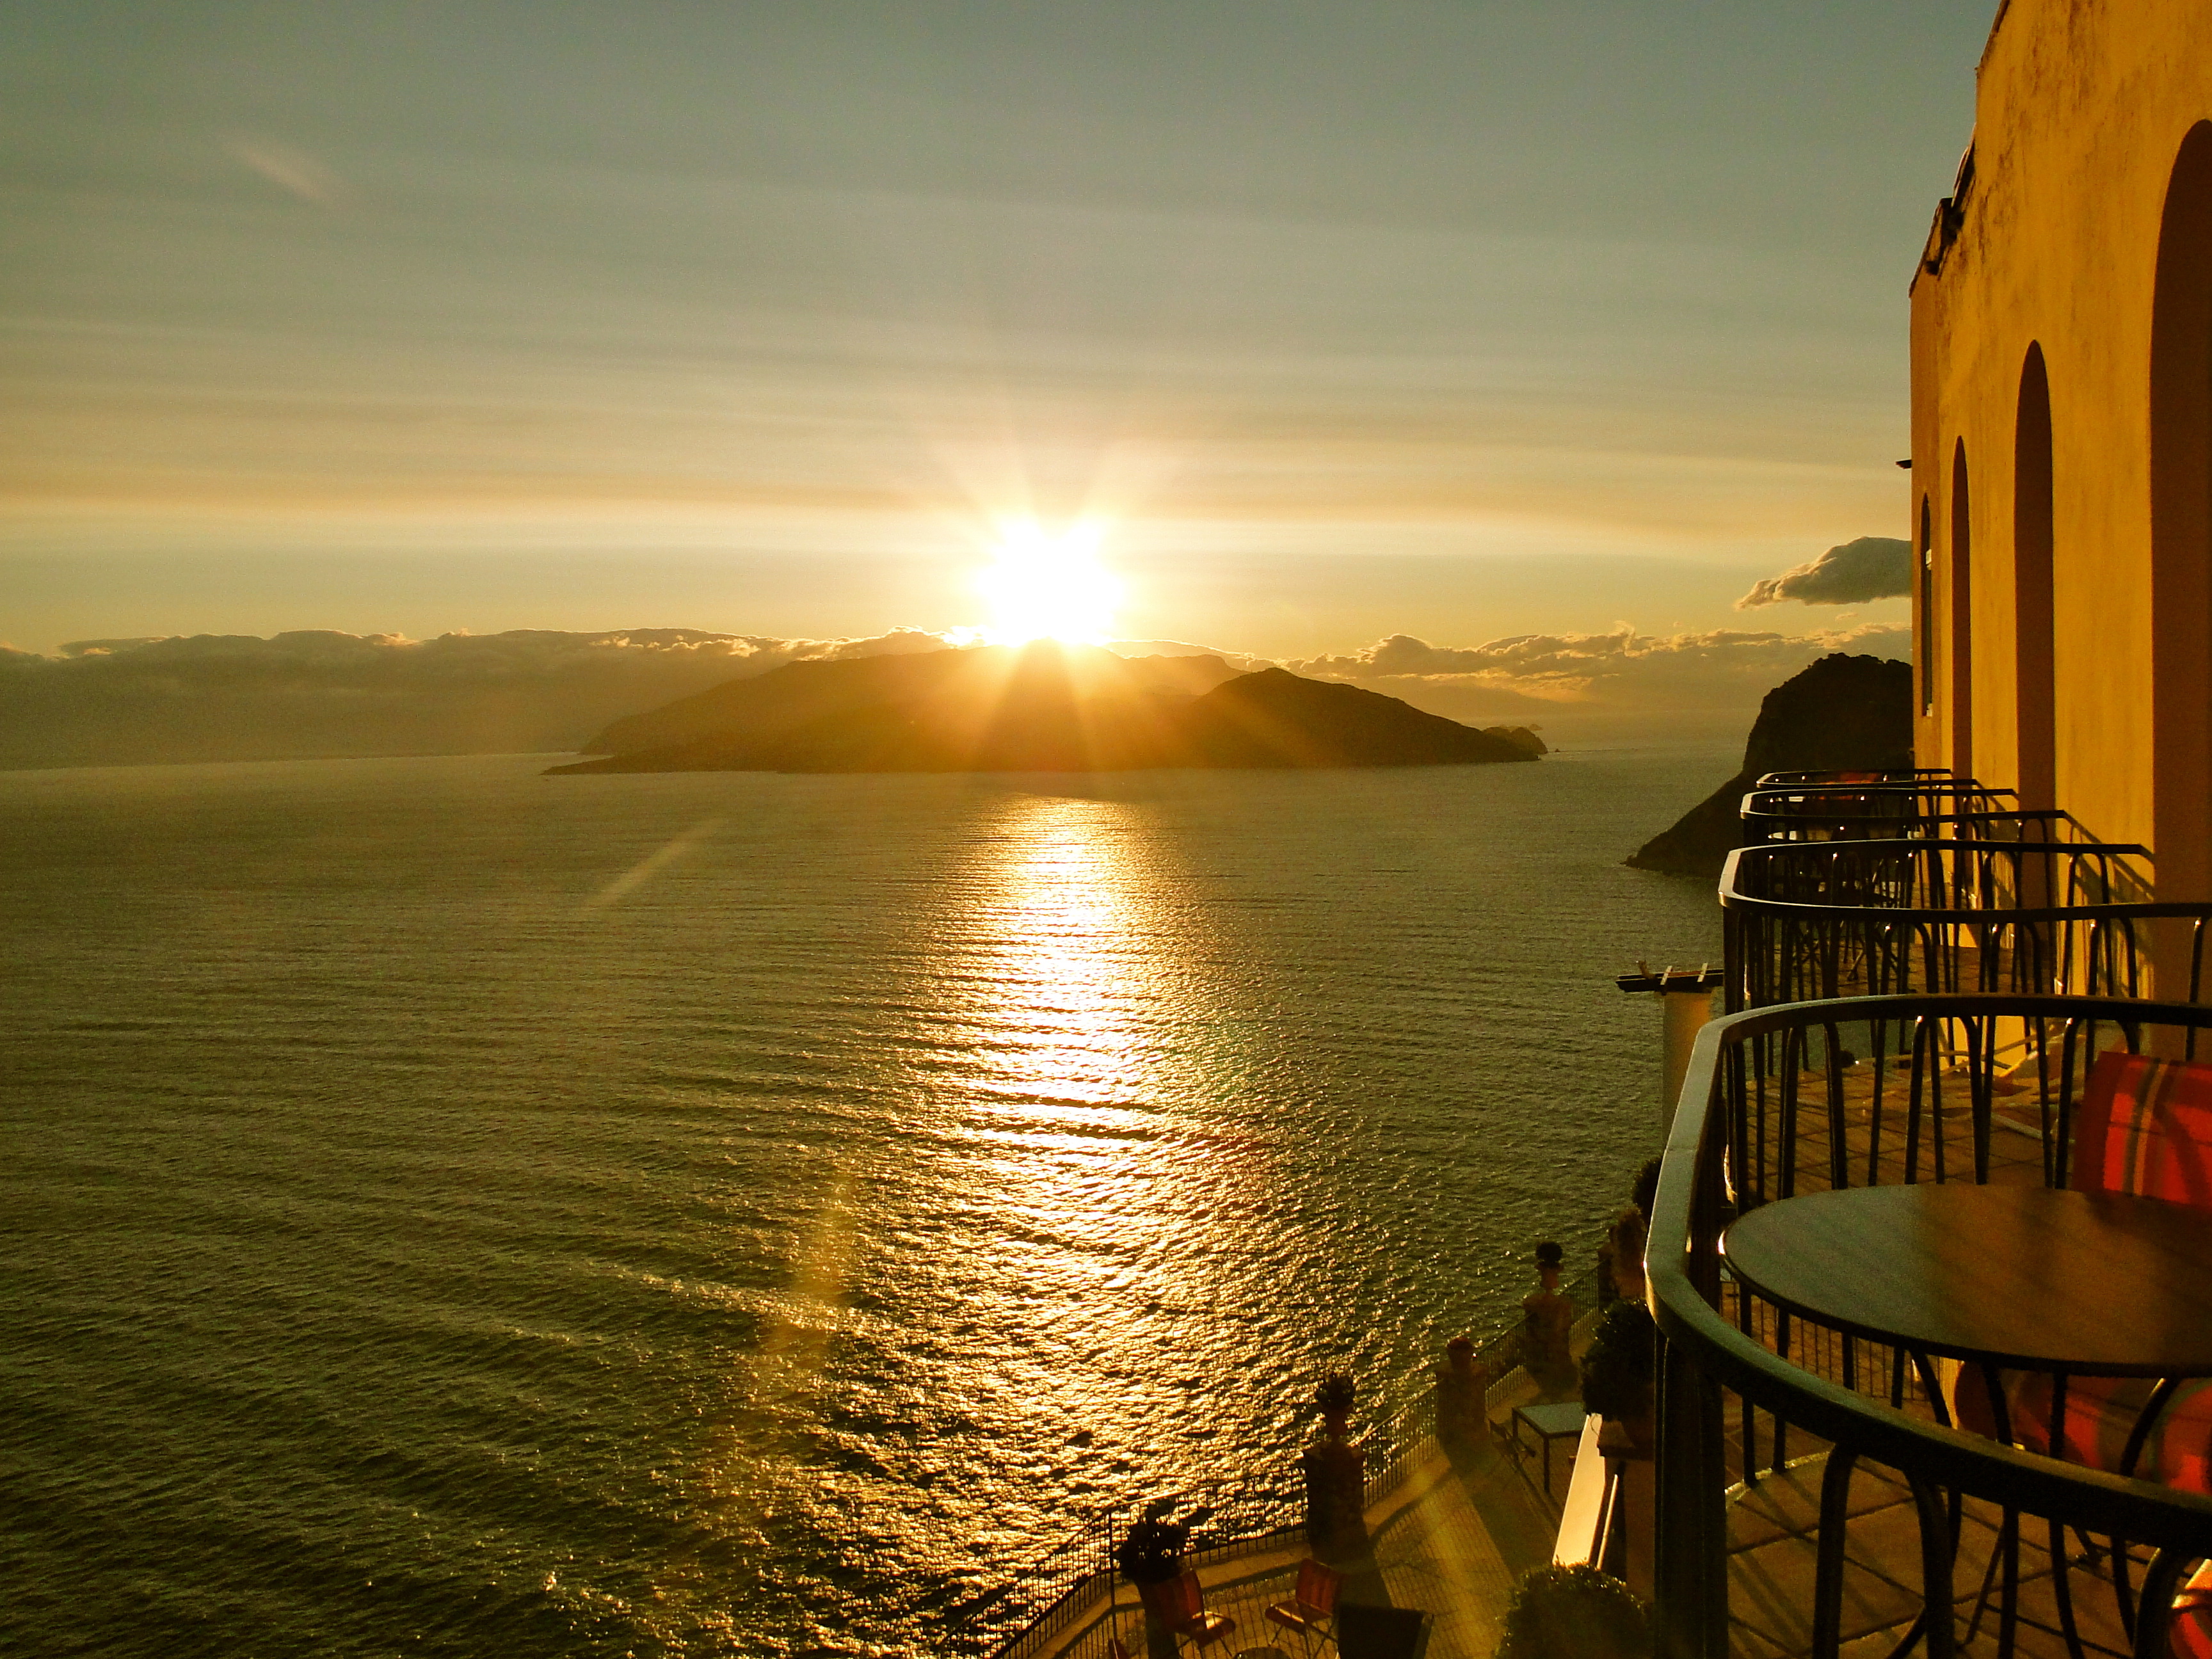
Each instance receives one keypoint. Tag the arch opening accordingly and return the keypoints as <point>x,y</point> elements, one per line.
<point>1926,603</point>
<point>1962,617</point>
<point>2181,527</point>
<point>2035,711</point>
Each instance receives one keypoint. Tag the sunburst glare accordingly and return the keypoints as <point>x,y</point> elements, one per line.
<point>1049,585</point>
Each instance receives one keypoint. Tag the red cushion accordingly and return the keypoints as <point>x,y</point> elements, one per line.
<point>2100,1414</point>
<point>2192,1617</point>
<point>2145,1126</point>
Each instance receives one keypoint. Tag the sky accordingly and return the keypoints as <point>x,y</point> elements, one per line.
<point>1334,322</point>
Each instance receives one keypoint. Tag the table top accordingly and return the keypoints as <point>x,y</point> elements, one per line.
<point>1554,1417</point>
<point>2098,1284</point>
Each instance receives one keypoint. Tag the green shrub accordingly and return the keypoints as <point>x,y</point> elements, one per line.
<point>1574,1612</point>
<point>1621,1361</point>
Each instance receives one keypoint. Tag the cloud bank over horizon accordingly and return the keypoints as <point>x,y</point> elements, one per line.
<point>1857,572</point>
<point>1621,672</point>
<point>320,692</point>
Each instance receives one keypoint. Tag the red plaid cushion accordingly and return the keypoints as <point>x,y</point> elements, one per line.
<point>2145,1126</point>
<point>2100,1415</point>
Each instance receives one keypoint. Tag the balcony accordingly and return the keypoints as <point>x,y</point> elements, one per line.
<point>1851,806</point>
<point>1811,1498</point>
<point>1808,920</point>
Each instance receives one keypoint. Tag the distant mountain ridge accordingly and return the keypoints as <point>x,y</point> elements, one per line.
<point>1041,707</point>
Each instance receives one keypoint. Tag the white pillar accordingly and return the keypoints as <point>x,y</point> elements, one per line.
<point>1686,1012</point>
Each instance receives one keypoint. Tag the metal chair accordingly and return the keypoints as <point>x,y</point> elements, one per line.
<point>1312,1610</point>
<point>1186,1619</point>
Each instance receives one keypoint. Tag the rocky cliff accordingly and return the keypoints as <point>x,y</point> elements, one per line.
<point>1842,714</point>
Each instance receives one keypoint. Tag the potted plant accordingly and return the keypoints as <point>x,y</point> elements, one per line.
<point>1619,1367</point>
<point>1574,1612</point>
<point>1334,1397</point>
<point>1149,1556</point>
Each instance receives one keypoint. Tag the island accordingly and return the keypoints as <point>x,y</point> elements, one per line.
<point>1043,707</point>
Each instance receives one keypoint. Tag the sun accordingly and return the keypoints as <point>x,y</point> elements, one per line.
<point>1048,586</point>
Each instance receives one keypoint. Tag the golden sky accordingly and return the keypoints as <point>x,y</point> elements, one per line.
<point>1457,319</point>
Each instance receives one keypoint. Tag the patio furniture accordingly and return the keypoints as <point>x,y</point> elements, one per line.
<point>1558,1419</point>
<point>2144,1126</point>
<point>1311,1609</point>
<point>1179,1605</point>
<point>1372,1632</point>
<point>2037,1279</point>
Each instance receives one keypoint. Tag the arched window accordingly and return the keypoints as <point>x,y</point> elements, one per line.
<point>2035,709</point>
<point>1962,617</point>
<point>2181,527</point>
<point>1927,610</point>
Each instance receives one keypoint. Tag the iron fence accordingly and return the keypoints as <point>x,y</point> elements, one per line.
<point>1853,820</point>
<point>1805,922</point>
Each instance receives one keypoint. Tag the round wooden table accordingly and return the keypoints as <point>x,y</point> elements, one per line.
<point>2018,1278</point>
<point>2027,1278</point>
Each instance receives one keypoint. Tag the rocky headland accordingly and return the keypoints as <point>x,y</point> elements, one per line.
<point>1842,714</point>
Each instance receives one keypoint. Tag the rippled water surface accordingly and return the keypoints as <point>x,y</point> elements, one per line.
<point>452,1210</point>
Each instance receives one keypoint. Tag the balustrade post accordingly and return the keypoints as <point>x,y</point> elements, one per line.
<point>1690,1553</point>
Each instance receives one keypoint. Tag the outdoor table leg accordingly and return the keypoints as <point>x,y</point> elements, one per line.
<point>1828,1568</point>
<point>2008,1525</point>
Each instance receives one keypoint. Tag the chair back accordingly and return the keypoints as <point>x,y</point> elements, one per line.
<point>1318,1586</point>
<point>1193,1594</point>
<point>2145,1126</point>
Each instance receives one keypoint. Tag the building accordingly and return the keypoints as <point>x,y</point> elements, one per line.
<point>1990,954</point>
<point>2062,428</point>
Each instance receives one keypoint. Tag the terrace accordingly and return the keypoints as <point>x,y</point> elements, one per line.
<point>1449,1531</point>
<point>1765,1540</point>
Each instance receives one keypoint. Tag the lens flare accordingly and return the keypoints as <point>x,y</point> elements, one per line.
<point>1047,586</point>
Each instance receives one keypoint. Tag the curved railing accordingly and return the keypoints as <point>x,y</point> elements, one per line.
<point>1854,819</point>
<point>1879,775</point>
<point>1933,793</point>
<point>1756,1122</point>
<point>1804,922</point>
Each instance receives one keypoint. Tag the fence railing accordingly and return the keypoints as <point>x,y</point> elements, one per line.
<point>1836,779</point>
<point>1854,820</point>
<point>1770,1110</point>
<point>1805,922</point>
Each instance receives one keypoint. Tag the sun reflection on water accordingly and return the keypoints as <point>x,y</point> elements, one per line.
<point>1069,984</point>
<point>1102,1210</point>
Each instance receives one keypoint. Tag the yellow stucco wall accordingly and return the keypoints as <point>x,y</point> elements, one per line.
<point>2081,107</point>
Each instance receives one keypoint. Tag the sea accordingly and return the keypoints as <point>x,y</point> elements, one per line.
<point>453,1211</point>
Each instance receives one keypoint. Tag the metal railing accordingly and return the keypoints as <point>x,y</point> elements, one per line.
<point>1804,922</point>
<point>1898,795</point>
<point>1770,1109</point>
<point>1879,775</point>
<point>1857,820</point>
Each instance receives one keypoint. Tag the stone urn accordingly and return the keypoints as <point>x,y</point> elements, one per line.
<point>1335,1474</point>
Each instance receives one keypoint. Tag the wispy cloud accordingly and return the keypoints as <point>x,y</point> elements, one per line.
<point>288,167</point>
